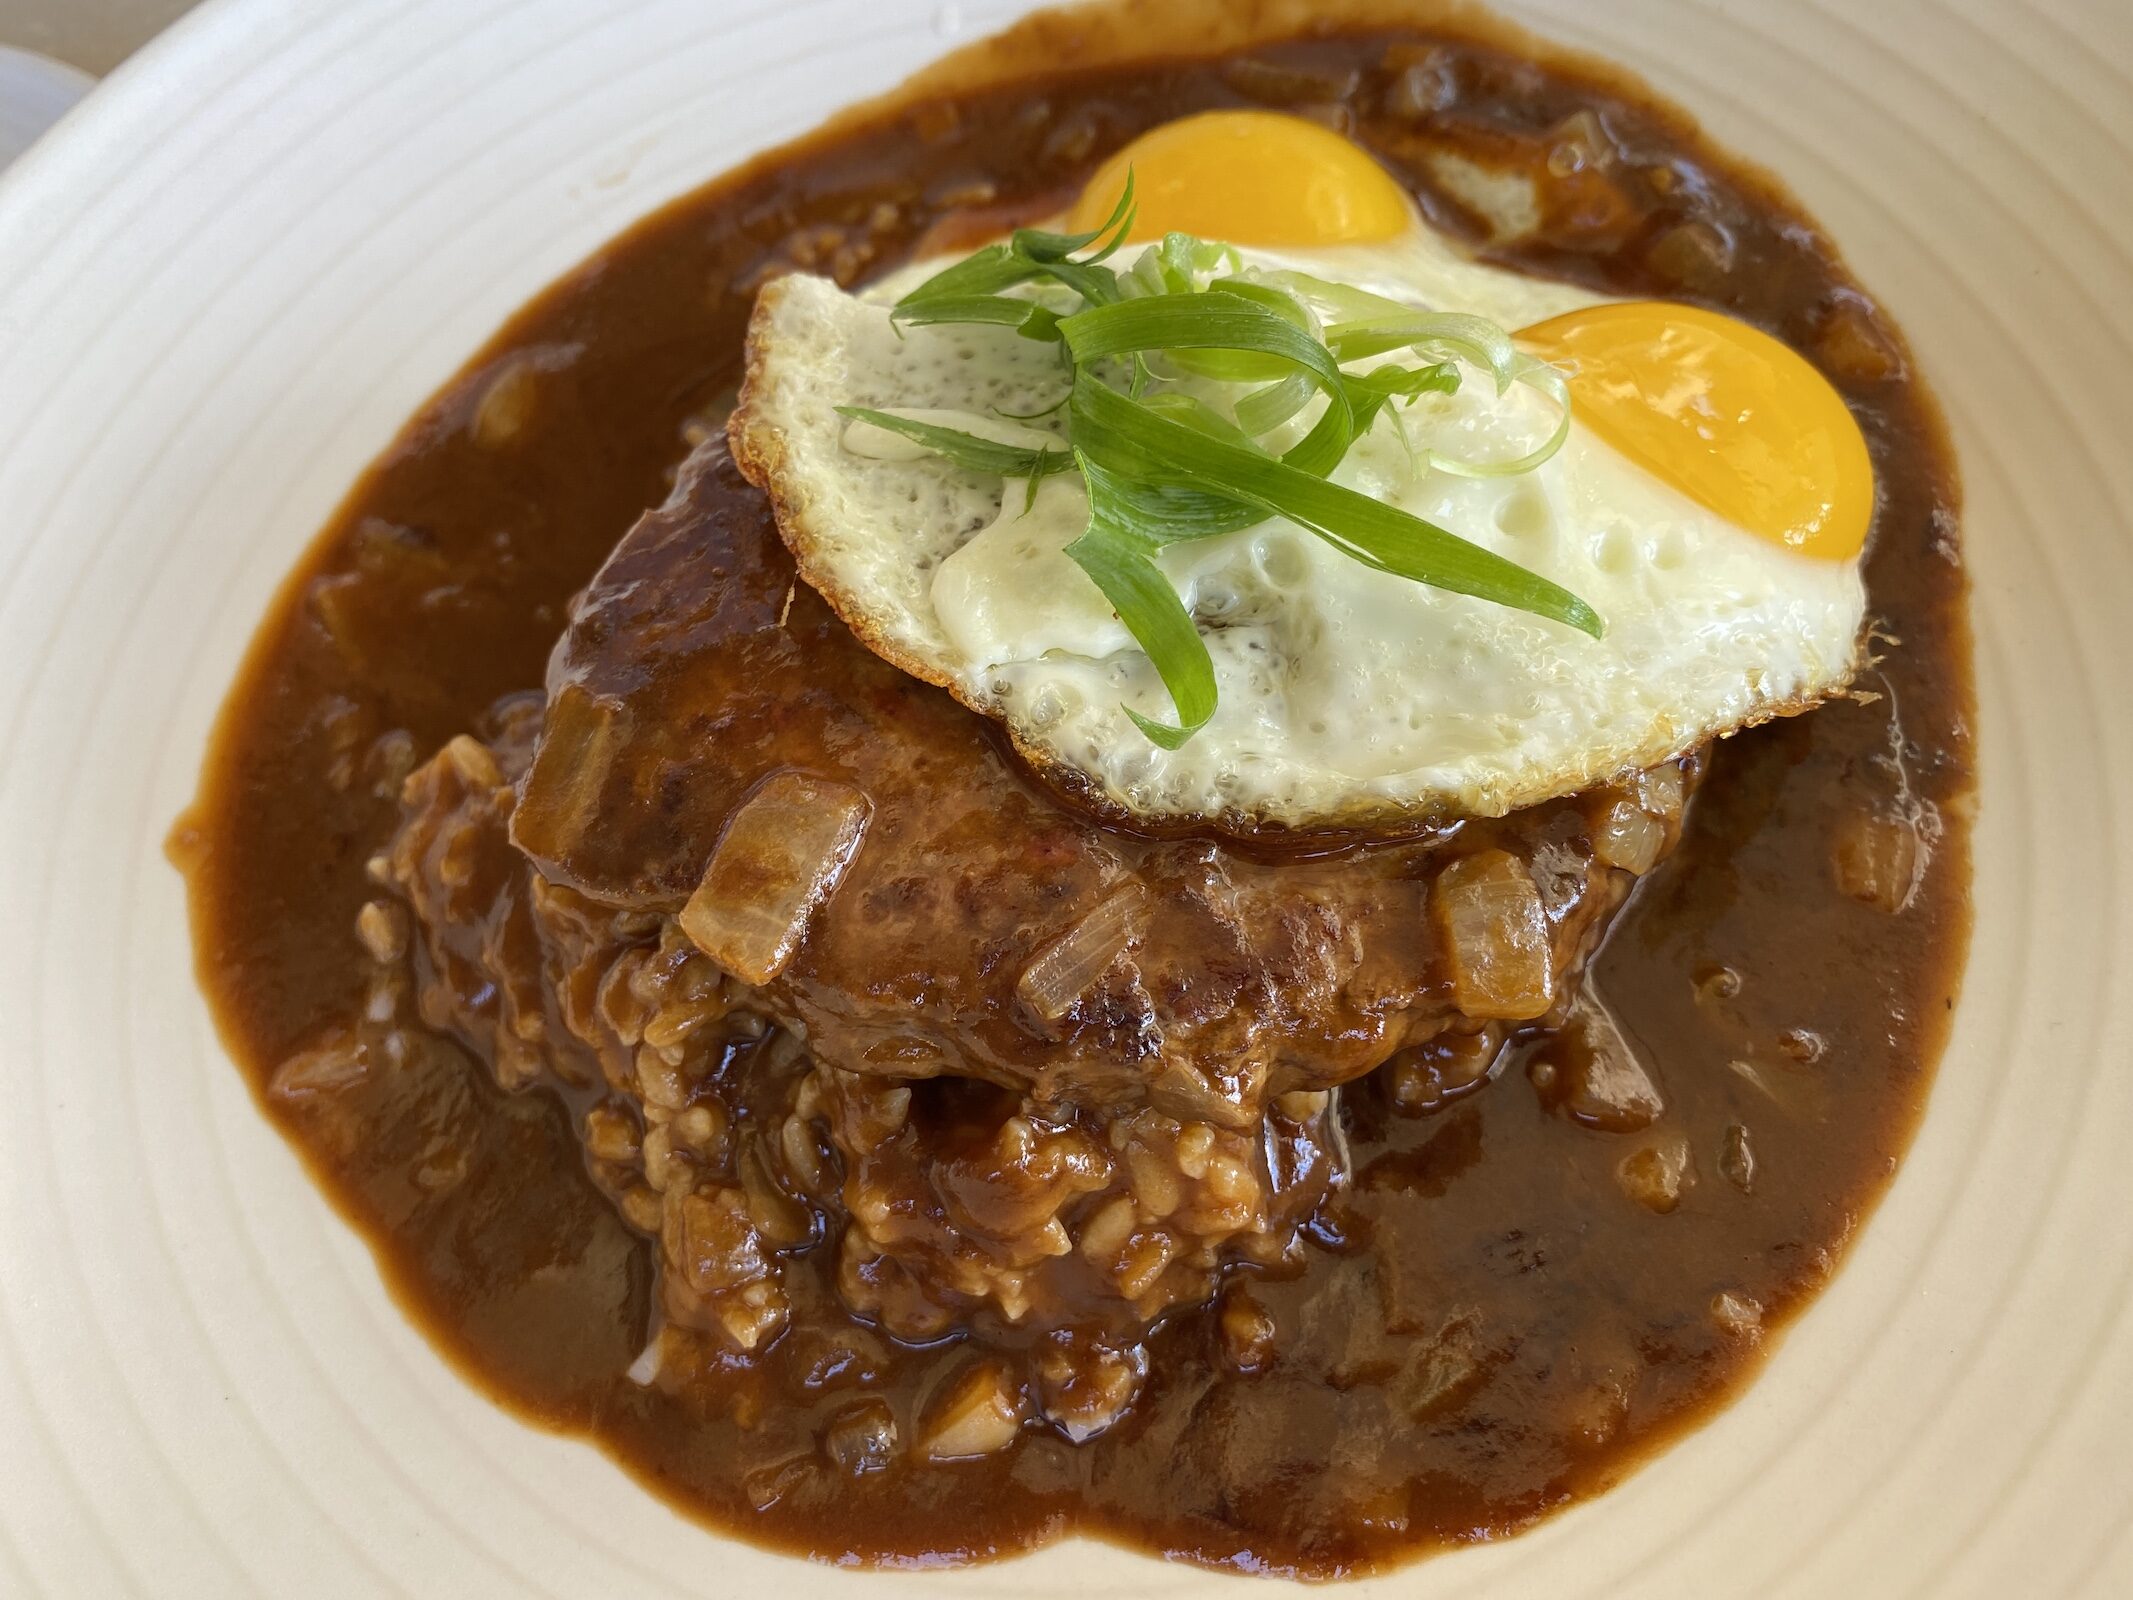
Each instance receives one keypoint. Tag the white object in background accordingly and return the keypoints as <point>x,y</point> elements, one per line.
<point>35,92</point>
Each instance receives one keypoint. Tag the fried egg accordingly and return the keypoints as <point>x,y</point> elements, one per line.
<point>1711,502</point>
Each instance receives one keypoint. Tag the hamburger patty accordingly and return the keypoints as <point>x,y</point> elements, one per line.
<point>969,921</point>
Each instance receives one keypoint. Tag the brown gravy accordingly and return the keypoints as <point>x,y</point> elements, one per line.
<point>1789,974</point>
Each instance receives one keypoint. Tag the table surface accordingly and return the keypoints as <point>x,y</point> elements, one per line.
<point>94,35</point>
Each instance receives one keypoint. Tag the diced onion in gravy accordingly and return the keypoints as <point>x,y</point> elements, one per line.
<point>782,854</point>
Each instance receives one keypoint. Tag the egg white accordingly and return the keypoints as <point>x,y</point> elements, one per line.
<point>1346,695</point>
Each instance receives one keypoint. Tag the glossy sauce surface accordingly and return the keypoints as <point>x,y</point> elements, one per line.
<point>1510,1302</point>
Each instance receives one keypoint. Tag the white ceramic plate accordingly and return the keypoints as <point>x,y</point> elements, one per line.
<point>226,282</point>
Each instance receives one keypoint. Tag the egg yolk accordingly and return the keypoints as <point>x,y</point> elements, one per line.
<point>1250,178</point>
<point>1735,419</point>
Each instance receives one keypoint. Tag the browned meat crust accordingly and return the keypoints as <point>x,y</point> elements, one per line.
<point>697,665</point>
<point>719,1137</point>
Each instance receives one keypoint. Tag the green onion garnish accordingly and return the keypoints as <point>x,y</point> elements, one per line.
<point>1181,456</point>
<point>965,449</point>
<point>1117,552</point>
<point>1163,466</point>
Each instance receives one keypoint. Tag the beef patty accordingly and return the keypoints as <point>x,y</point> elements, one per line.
<point>983,927</point>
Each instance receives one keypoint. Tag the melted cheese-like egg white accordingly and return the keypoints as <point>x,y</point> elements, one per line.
<point>1346,695</point>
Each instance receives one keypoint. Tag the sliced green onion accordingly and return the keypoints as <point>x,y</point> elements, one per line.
<point>1277,300</point>
<point>1388,326</point>
<point>1197,413</point>
<point>1028,255</point>
<point>1095,284</point>
<point>1474,339</point>
<point>1239,366</point>
<point>1368,530</point>
<point>1170,515</point>
<point>1264,410</point>
<point>967,450</point>
<point>1174,266</point>
<point>1027,317</point>
<point>1162,466</point>
<point>1031,416</point>
<point>1119,560</point>
<point>985,272</point>
<point>1322,449</point>
<point>1195,322</point>
<point>1224,322</point>
<point>1162,512</point>
<point>1344,300</point>
<point>1038,245</point>
<point>1535,374</point>
<point>1372,391</point>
